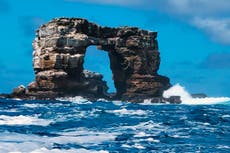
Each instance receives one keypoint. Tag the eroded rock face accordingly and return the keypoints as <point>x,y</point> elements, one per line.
<point>58,57</point>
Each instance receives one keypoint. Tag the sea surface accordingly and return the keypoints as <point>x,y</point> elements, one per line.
<point>75,125</point>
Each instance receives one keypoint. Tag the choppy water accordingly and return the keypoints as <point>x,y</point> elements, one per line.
<point>75,125</point>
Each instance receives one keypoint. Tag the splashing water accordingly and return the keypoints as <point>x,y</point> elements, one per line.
<point>178,90</point>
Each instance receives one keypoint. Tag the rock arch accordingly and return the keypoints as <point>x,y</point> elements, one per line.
<point>59,50</point>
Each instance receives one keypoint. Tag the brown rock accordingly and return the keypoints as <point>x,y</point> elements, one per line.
<point>58,57</point>
<point>19,91</point>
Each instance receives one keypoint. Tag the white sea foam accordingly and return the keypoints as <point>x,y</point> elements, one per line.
<point>33,105</point>
<point>178,90</point>
<point>226,116</point>
<point>12,110</point>
<point>77,99</point>
<point>141,134</point>
<point>126,146</point>
<point>115,102</point>
<point>152,140</point>
<point>136,145</point>
<point>124,111</point>
<point>35,148</point>
<point>180,136</point>
<point>149,102</point>
<point>45,150</point>
<point>23,120</point>
<point>17,99</point>
<point>155,127</point>
<point>83,136</point>
<point>102,100</point>
<point>223,147</point>
<point>118,102</point>
<point>30,143</point>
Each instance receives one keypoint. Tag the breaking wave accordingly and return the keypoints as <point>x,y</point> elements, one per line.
<point>76,99</point>
<point>22,120</point>
<point>186,98</point>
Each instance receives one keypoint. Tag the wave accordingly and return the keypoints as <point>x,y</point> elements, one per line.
<point>22,120</point>
<point>45,150</point>
<point>124,111</point>
<point>176,90</point>
<point>31,143</point>
<point>26,147</point>
<point>186,98</point>
<point>81,100</point>
<point>76,99</point>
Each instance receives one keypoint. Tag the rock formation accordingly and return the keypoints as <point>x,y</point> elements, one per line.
<point>58,57</point>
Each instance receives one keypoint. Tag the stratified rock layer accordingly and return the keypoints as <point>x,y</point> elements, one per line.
<point>58,57</point>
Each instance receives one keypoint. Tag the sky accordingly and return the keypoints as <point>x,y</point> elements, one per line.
<point>193,37</point>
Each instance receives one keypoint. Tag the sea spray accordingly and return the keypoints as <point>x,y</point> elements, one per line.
<point>186,98</point>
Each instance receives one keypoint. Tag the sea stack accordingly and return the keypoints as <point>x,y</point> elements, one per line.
<point>58,57</point>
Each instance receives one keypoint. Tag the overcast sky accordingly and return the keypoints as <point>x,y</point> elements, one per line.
<point>193,36</point>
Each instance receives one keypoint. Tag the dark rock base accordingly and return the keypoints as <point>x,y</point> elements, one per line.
<point>90,97</point>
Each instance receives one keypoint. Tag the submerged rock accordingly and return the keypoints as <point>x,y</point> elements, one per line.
<point>58,57</point>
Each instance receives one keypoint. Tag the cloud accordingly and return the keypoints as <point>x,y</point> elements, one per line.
<point>210,16</point>
<point>218,29</point>
<point>196,7</point>
<point>29,24</point>
<point>217,61</point>
<point>4,6</point>
<point>183,7</point>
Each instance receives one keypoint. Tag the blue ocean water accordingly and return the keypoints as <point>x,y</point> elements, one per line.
<point>76,125</point>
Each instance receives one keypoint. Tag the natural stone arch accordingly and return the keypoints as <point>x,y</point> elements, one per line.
<point>58,57</point>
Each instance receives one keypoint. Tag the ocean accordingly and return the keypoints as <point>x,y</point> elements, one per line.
<point>75,125</point>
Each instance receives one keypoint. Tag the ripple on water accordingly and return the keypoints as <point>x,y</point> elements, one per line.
<point>99,127</point>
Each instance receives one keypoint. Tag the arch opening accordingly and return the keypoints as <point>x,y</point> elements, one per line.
<point>98,61</point>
